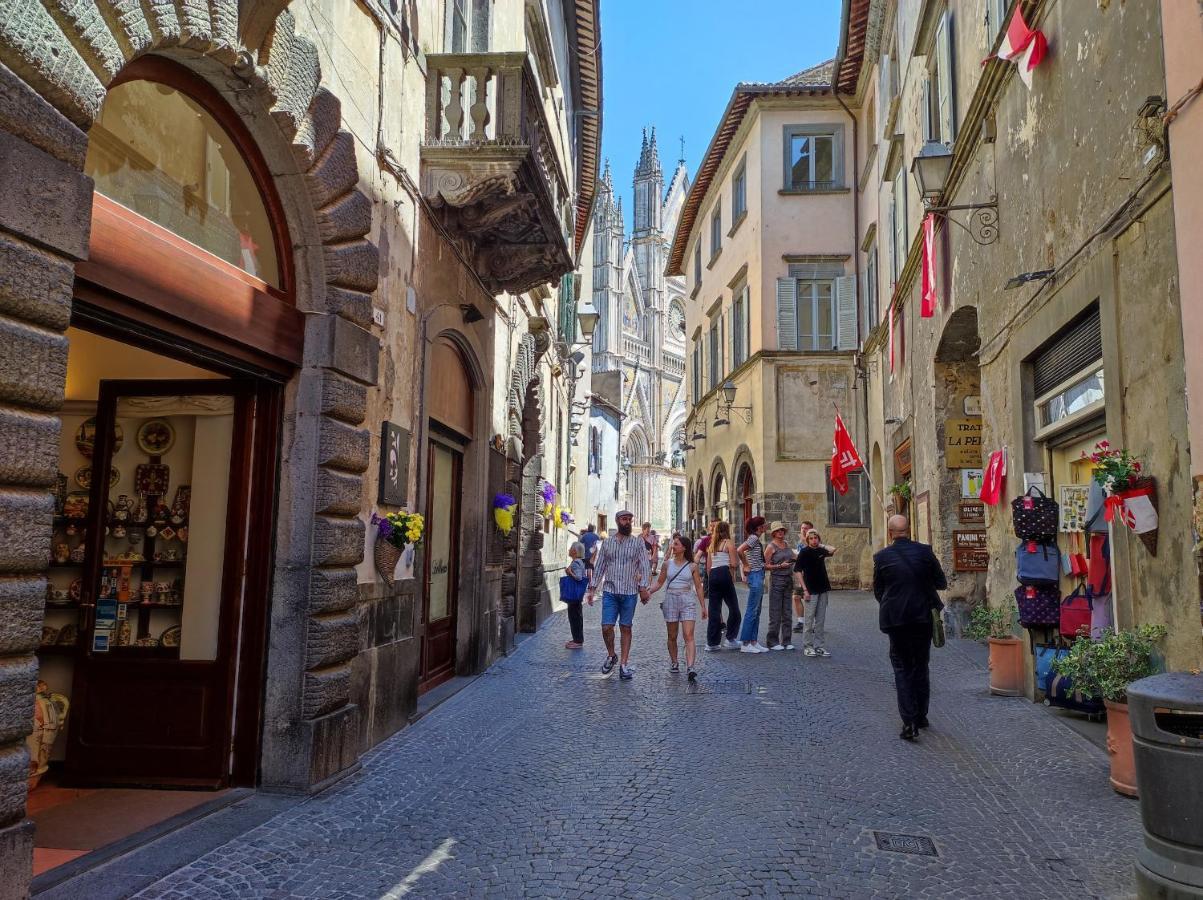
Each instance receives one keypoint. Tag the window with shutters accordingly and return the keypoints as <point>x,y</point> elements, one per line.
<point>816,315</point>
<point>739,193</point>
<point>697,265</point>
<point>939,114</point>
<point>697,364</point>
<point>814,158</point>
<point>871,288</point>
<point>716,231</point>
<point>900,244</point>
<point>594,450</point>
<point>739,326</point>
<point>1067,376</point>
<point>996,12</point>
<point>715,352</point>
<point>850,509</point>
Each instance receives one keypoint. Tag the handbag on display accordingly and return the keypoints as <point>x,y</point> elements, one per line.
<point>1044,656</point>
<point>1038,605</point>
<point>1034,516</point>
<point>1037,563</point>
<point>1100,616</point>
<point>1075,613</point>
<point>1096,521</point>
<point>1061,694</point>
<point>1098,569</point>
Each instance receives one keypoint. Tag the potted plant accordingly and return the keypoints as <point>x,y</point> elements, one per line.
<point>995,624</point>
<point>902,496</point>
<point>1131,494</point>
<point>394,532</point>
<point>1104,668</point>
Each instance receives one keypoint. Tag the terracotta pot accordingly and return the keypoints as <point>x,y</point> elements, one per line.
<point>1006,667</point>
<point>1119,745</point>
<point>386,556</point>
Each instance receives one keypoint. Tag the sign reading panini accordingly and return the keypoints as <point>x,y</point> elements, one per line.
<point>969,553</point>
<point>963,443</point>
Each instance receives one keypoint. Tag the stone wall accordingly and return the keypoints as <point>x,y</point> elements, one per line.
<point>846,567</point>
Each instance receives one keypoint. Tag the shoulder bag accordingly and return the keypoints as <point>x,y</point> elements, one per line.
<point>1037,563</point>
<point>1076,610</point>
<point>1034,516</point>
<point>572,590</point>
<point>1038,604</point>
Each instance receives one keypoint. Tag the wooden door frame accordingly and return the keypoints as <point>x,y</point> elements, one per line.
<point>438,437</point>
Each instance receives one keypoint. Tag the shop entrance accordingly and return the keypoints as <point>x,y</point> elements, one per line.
<point>444,480</point>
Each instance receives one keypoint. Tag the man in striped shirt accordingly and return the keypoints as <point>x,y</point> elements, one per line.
<point>622,569</point>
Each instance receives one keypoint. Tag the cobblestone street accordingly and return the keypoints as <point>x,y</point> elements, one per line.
<point>769,777</point>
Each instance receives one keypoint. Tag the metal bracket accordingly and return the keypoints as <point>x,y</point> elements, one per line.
<point>981,224</point>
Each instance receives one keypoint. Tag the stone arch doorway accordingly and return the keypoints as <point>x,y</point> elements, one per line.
<point>958,420</point>
<point>637,479</point>
<point>295,125</point>
<point>745,491</point>
<point>719,501</point>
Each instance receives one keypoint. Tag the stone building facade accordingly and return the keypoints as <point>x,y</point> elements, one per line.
<point>765,243</point>
<point>1057,322</point>
<point>413,308</point>
<point>636,426</point>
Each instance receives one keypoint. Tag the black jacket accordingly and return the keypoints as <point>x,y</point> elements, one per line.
<point>906,576</point>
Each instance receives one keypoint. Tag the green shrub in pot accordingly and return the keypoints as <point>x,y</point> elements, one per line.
<point>1104,668</point>
<point>991,622</point>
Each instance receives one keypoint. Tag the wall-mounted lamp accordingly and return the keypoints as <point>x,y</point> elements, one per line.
<point>930,170</point>
<point>729,390</point>
<point>587,318</point>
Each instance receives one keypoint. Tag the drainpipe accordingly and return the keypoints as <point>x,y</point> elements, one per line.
<point>855,192</point>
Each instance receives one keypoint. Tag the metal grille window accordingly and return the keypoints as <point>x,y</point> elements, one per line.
<point>852,508</point>
<point>1075,348</point>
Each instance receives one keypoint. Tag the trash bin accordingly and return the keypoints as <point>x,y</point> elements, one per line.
<point>1167,736</point>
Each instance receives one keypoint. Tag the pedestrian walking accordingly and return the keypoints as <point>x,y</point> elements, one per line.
<point>590,539</point>
<point>779,562</point>
<point>720,569</point>
<point>799,610</point>
<point>700,552</point>
<point>651,543</point>
<point>682,600</point>
<point>810,570</point>
<point>621,570</point>
<point>751,562</point>
<point>906,580</point>
<point>572,591</point>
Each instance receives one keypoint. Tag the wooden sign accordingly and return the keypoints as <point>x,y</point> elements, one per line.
<point>969,553</point>
<point>963,443</point>
<point>394,464</point>
<point>971,512</point>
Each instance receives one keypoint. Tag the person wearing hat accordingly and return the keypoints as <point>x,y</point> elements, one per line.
<point>779,562</point>
<point>623,571</point>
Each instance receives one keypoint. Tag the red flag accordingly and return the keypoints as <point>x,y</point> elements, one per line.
<point>844,458</point>
<point>994,478</point>
<point>928,307</point>
<point>1023,45</point>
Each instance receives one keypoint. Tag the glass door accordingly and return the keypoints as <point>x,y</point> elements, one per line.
<point>442,564</point>
<point>162,588</point>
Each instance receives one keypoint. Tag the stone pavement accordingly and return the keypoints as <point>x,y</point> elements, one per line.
<point>769,777</point>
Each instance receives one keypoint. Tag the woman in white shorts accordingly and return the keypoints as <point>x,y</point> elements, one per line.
<point>682,600</point>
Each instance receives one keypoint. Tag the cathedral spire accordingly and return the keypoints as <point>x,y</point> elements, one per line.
<point>649,156</point>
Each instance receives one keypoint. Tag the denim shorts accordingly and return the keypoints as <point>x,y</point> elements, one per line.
<point>619,608</point>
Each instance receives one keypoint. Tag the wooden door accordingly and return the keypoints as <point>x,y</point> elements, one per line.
<point>162,591</point>
<point>441,597</point>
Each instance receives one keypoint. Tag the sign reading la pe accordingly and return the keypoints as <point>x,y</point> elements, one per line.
<point>963,443</point>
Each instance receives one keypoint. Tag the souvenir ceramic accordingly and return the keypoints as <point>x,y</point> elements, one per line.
<point>125,634</point>
<point>146,642</point>
<point>151,531</point>
<point>182,534</point>
<point>60,493</point>
<point>122,509</point>
<point>76,590</point>
<point>170,637</point>
<point>58,597</point>
<point>76,505</point>
<point>152,479</point>
<point>156,437</point>
<point>147,590</point>
<point>135,537</point>
<point>183,500</point>
<point>49,633</point>
<point>62,553</point>
<point>49,719</point>
<point>119,531</point>
<point>139,515</point>
<point>77,555</point>
<point>167,533</point>
<point>85,438</point>
<point>66,637</point>
<point>71,529</point>
<point>83,477</point>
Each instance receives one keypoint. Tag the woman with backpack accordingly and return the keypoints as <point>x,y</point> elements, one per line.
<point>682,600</point>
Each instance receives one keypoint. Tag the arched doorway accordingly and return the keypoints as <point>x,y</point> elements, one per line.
<point>451,412</point>
<point>636,477</point>
<point>718,494</point>
<point>745,490</point>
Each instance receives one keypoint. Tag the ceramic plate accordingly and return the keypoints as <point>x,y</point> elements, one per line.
<point>83,477</point>
<point>85,438</point>
<point>156,437</point>
<point>170,637</point>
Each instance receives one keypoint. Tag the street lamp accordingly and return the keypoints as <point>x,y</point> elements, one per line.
<point>587,317</point>
<point>930,170</point>
<point>723,415</point>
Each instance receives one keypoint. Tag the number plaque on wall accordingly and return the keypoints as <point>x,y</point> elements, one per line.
<point>394,464</point>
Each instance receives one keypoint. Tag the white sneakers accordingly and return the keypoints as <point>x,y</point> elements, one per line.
<point>730,645</point>
<point>809,651</point>
<point>754,647</point>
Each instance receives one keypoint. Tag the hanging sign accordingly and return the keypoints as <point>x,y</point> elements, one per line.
<point>969,553</point>
<point>963,443</point>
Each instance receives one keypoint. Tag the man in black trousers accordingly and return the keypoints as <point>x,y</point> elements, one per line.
<point>906,577</point>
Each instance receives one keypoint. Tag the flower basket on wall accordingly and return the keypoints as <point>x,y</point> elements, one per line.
<point>394,532</point>
<point>1131,495</point>
<point>504,506</point>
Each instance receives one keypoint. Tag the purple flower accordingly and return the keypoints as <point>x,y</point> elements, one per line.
<point>549,492</point>
<point>504,501</point>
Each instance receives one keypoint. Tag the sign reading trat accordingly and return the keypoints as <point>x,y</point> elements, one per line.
<point>963,443</point>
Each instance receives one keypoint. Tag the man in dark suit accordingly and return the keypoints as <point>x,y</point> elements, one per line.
<point>906,577</point>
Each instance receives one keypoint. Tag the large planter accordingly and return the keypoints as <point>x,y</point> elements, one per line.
<point>1119,746</point>
<point>1006,667</point>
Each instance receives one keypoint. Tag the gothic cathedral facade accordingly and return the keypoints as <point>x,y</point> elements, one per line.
<point>638,403</point>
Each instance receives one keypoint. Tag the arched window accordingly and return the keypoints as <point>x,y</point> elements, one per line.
<point>161,153</point>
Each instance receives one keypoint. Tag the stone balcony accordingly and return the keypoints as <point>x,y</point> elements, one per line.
<point>491,172</point>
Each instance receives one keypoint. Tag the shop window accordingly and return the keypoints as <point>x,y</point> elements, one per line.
<point>158,152</point>
<point>1067,375</point>
<point>852,508</point>
<point>1079,398</point>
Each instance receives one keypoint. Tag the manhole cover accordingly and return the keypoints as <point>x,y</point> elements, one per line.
<point>915,844</point>
<point>718,686</point>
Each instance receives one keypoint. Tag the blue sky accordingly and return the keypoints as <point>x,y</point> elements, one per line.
<point>673,64</point>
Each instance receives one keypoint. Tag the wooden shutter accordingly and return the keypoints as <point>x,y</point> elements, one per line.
<point>928,121</point>
<point>947,121</point>
<point>845,312</point>
<point>787,314</point>
<point>883,94</point>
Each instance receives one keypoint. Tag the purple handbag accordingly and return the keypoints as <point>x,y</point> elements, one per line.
<point>1100,616</point>
<point>1038,604</point>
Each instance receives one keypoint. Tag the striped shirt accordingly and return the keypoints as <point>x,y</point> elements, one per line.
<point>622,566</point>
<point>755,553</point>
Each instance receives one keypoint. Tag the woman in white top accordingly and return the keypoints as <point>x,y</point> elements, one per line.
<point>681,602</point>
<point>721,561</point>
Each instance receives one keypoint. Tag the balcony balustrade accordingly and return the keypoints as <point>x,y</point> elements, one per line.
<point>491,171</point>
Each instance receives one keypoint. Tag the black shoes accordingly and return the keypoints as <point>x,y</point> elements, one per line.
<point>909,733</point>
<point>608,665</point>
<point>923,723</point>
